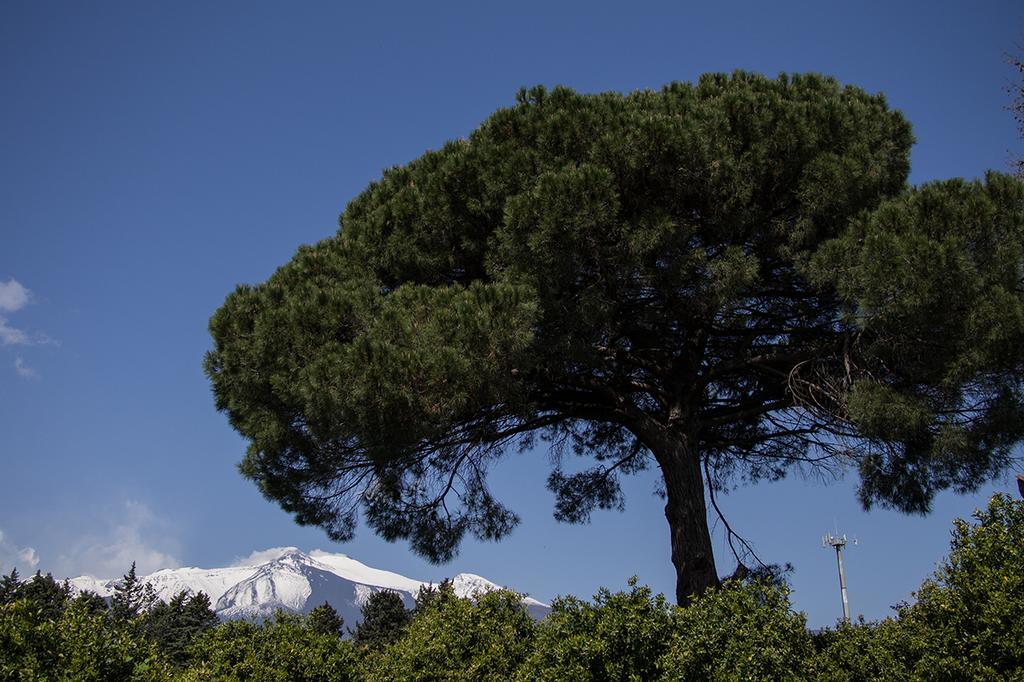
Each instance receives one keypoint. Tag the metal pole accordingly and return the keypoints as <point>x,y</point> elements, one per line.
<point>837,542</point>
<point>842,583</point>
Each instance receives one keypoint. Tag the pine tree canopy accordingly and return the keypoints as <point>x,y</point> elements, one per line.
<point>727,280</point>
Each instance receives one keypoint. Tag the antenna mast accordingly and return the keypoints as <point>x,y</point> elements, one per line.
<point>838,542</point>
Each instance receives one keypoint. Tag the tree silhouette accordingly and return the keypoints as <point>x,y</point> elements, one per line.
<point>728,280</point>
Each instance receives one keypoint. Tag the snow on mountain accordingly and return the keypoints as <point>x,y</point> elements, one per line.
<point>287,578</point>
<point>469,585</point>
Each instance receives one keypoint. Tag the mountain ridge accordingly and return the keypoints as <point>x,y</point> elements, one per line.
<point>288,578</point>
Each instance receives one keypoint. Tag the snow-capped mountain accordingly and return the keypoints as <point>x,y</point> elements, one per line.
<point>289,579</point>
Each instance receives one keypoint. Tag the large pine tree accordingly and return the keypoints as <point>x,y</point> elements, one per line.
<point>724,280</point>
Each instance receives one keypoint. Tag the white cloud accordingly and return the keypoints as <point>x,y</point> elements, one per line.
<point>28,556</point>
<point>13,296</point>
<point>262,556</point>
<point>11,336</point>
<point>24,370</point>
<point>137,534</point>
<point>24,559</point>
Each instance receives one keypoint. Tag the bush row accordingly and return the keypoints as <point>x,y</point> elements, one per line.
<point>966,623</point>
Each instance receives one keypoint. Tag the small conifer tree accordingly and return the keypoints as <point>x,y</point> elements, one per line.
<point>172,626</point>
<point>325,620</point>
<point>384,619</point>
<point>9,585</point>
<point>47,596</point>
<point>132,597</point>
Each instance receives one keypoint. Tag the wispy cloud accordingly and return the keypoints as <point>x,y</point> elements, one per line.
<point>23,370</point>
<point>25,559</point>
<point>13,295</point>
<point>262,556</point>
<point>137,534</point>
<point>12,336</point>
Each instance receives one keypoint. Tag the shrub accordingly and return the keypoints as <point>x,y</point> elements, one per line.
<point>968,620</point>
<point>285,649</point>
<point>451,638</point>
<point>863,652</point>
<point>743,631</point>
<point>78,645</point>
<point>619,637</point>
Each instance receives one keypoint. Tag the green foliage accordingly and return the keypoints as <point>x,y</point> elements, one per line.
<point>47,597</point>
<point>932,284</point>
<point>325,620</point>
<point>92,602</point>
<point>132,597</point>
<point>968,619</point>
<point>383,620</point>
<point>428,595</point>
<point>9,585</point>
<point>725,274</point>
<point>967,623</point>
<point>174,625</point>
<point>450,638</point>
<point>28,650</point>
<point>285,649</point>
<point>78,645</point>
<point>620,636</point>
<point>863,652</point>
<point>744,631</point>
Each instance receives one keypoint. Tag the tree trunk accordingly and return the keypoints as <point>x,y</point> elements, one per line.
<point>692,553</point>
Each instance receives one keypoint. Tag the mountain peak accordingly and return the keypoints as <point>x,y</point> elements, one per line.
<point>291,579</point>
<point>293,555</point>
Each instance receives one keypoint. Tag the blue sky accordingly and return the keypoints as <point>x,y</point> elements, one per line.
<point>154,155</point>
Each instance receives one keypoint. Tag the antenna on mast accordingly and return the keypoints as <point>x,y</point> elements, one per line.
<point>838,542</point>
